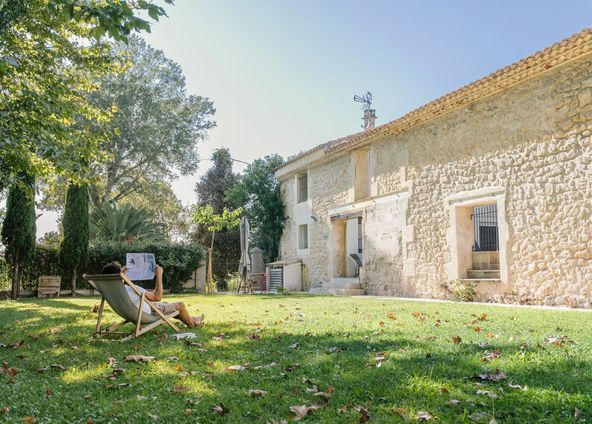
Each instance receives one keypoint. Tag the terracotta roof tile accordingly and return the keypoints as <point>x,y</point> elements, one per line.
<point>567,50</point>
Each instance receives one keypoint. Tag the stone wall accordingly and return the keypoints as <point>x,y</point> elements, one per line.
<point>533,140</point>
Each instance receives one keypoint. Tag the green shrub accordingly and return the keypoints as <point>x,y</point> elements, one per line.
<point>178,260</point>
<point>464,291</point>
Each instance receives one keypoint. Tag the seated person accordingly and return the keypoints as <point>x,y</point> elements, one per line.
<point>155,296</point>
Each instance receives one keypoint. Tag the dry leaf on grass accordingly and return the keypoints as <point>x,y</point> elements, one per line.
<point>299,411</point>
<point>187,411</point>
<point>236,368</point>
<point>390,315</point>
<point>294,346</point>
<point>453,402</point>
<point>518,387</point>
<point>112,362</point>
<point>456,340</point>
<point>180,389</point>
<point>6,369</point>
<point>220,336</point>
<point>401,412</point>
<point>29,420</point>
<point>487,393</point>
<point>257,392</point>
<point>220,409</point>
<point>495,376</point>
<point>254,336</point>
<point>423,416</point>
<point>139,358</point>
<point>364,414</point>
<point>4,410</point>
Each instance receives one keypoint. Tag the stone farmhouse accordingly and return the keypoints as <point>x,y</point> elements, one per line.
<point>489,186</point>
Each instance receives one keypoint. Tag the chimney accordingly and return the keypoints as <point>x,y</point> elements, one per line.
<point>369,119</point>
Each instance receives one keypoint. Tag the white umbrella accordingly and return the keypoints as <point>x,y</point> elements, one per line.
<point>244,268</point>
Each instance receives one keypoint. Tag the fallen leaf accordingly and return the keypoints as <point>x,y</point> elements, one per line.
<point>29,420</point>
<point>4,410</point>
<point>220,336</point>
<point>49,392</point>
<point>112,362</point>
<point>236,368</point>
<point>492,376</point>
<point>490,335</point>
<point>42,370</point>
<point>577,413</point>
<point>333,349</point>
<point>87,397</point>
<point>180,389</point>
<point>381,323</point>
<point>364,415</point>
<point>294,346</point>
<point>487,393</point>
<point>257,392</point>
<point>390,315</point>
<point>139,358</point>
<point>423,416</point>
<point>518,387</point>
<point>444,390</point>
<point>343,409</point>
<point>299,411</point>
<point>453,402</point>
<point>456,340</point>
<point>220,409</point>
<point>489,356</point>
<point>401,412</point>
<point>482,317</point>
<point>187,411</point>
<point>153,416</point>
<point>254,336</point>
<point>58,367</point>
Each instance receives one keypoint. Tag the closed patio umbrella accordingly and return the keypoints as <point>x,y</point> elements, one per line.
<point>244,268</point>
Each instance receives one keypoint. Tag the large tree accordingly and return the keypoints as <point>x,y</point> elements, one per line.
<point>156,124</point>
<point>18,227</point>
<point>51,53</point>
<point>74,246</point>
<point>258,192</point>
<point>211,191</point>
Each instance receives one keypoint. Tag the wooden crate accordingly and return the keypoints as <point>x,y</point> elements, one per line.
<point>49,285</point>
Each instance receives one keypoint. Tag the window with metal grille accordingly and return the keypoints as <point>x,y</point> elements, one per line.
<point>303,236</point>
<point>302,187</point>
<point>485,228</point>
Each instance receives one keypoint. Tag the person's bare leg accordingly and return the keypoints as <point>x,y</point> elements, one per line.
<point>184,316</point>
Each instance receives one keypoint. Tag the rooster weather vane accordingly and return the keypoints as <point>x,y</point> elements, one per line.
<point>366,99</point>
<point>369,113</point>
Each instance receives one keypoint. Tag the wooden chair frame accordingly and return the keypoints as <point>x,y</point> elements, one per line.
<point>110,329</point>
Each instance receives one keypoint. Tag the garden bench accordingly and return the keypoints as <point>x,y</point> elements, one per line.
<point>49,285</point>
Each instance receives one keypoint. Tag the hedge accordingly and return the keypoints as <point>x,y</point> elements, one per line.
<point>178,260</point>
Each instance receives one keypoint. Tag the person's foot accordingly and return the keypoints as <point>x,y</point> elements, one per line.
<point>198,321</point>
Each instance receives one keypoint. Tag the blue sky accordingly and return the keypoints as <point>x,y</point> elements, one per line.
<point>283,73</point>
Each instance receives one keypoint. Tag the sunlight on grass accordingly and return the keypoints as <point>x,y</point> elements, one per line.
<point>397,359</point>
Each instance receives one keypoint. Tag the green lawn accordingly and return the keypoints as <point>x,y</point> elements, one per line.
<point>387,360</point>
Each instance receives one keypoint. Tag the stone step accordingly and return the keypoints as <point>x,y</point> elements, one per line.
<point>344,285</point>
<point>346,292</point>
<point>483,273</point>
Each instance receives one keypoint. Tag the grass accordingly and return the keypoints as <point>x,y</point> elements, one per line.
<point>393,359</point>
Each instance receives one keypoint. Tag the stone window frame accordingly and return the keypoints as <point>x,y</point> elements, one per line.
<point>300,238</point>
<point>455,205</point>
<point>299,198</point>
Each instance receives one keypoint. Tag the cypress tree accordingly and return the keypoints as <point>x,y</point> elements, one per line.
<point>74,247</point>
<point>18,228</point>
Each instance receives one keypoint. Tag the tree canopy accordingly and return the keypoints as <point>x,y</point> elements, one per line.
<point>156,125</point>
<point>51,52</point>
<point>258,191</point>
<point>18,227</point>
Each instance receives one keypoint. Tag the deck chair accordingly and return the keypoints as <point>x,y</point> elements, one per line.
<point>112,289</point>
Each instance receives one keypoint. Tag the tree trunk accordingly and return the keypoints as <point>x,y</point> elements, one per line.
<point>15,277</point>
<point>74,282</point>
<point>210,254</point>
<point>21,280</point>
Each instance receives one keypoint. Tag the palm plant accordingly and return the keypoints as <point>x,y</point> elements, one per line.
<point>122,223</point>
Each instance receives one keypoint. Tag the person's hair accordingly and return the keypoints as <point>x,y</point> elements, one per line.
<point>112,268</point>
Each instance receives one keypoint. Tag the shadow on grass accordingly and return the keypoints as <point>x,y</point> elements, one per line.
<point>412,375</point>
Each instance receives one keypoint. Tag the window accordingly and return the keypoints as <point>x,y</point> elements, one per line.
<point>303,236</point>
<point>485,228</point>
<point>361,175</point>
<point>302,187</point>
